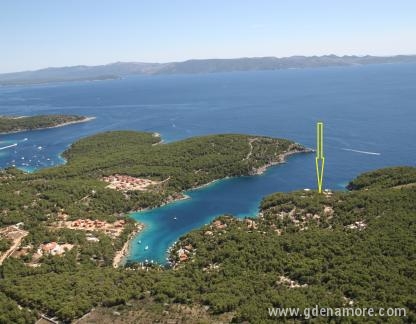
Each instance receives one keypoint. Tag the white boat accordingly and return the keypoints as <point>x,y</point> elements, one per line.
<point>175,218</point>
<point>8,146</point>
<point>147,247</point>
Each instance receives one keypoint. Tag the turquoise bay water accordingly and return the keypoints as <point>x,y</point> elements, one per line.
<point>237,196</point>
<point>365,109</point>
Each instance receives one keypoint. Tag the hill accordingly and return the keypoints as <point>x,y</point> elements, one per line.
<point>110,174</point>
<point>343,249</point>
<point>122,69</point>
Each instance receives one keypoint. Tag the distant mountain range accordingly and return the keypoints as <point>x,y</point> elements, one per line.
<point>122,69</point>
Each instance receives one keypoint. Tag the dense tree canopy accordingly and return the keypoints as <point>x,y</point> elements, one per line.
<point>185,164</point>
<point>18,124</point>
<point>77,190</point>
<point>385,178</point>
<point>239,267</point>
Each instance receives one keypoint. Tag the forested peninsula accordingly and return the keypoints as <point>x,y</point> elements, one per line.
<point>303,249</point>
<point>27,123</point>
<point>76,215</point>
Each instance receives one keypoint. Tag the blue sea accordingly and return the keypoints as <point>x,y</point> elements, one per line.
<point>369,114</point>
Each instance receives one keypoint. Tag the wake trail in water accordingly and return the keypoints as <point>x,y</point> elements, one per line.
<point>8,146</point>
<point>362,152</point>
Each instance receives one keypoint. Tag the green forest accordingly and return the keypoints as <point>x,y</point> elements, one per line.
<point>304,249</point>
<point>25,123</point>
<point>76,188</point>
<point>181,165</point>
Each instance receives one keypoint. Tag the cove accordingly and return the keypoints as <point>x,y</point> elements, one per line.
<point>239,196</point>
<point>366,110</point>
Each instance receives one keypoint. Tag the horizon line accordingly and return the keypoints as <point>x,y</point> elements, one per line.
<point>202,59</point>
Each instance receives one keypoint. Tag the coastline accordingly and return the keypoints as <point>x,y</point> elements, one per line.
<point>281,159</point>
<point>121,254</point>
<point>86,119</point>
<point>208,183</point>
<point>258,171</point>
<point>167,202</point>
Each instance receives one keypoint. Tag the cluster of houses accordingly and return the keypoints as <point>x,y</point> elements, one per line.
<point>111,229</point>
<point>183,253</point>
<point>219,224</point>
<point>53,248</point>
<point>126,183</point>
<point>93,224</point>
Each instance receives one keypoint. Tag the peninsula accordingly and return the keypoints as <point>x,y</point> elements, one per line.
<point>111,174</point>
<point>27,123</point>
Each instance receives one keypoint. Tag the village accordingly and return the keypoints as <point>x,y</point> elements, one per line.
<point>16,233</point>
<point>128,183</point>
<point>111,229</point>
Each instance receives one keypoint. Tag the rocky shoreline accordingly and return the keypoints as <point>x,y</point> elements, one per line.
<point>280,159</point>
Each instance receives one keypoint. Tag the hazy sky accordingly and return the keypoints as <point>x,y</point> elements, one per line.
<point>42,33</point>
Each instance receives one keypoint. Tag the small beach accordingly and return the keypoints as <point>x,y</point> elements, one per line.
<point>120,255</point>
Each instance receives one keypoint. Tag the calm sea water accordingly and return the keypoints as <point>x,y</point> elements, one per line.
<point>367,109</point>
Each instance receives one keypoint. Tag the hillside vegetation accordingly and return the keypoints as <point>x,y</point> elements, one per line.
<point>385,178</point>
<point>181,165</point>
<point>26,123</point>
<point>339,249</point>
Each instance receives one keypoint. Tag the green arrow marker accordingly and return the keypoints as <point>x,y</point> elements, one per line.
<point>320,159</point>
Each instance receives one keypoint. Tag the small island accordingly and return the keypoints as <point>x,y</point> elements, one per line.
<point>10,124</point>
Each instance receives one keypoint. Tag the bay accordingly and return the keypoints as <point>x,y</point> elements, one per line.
<point>369,114</point>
